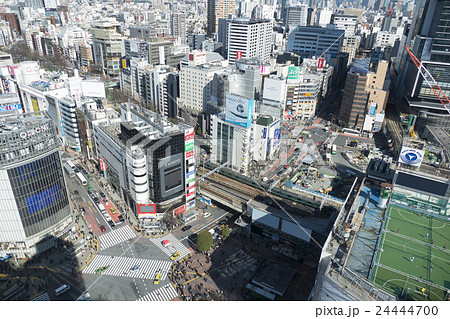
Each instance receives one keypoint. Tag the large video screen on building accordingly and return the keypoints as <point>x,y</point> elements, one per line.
<point>43,199</point>
<point>171,172</point>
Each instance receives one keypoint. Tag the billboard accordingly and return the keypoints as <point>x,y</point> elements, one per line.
<point>239,110</point>
<point>320,63</point>
<point>293,74</point>
<point>274,89</point>
<point>93,89</point>
<point>411,156</point>
<point>146,210</point>
<point>10,107</point>
<point>34,103</point>
<point>238,55</point>
<point>179,210</point>
<point>373,107</point>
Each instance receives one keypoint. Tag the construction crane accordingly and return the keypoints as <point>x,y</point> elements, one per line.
<point>431,81</point>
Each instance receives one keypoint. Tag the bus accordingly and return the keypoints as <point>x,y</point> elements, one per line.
<point>333,149</point>
<point>71,165</point>
<point>82,178</point>
<point>69,171</point>
<point>350,131</point>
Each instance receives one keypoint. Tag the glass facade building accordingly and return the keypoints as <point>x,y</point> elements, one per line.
<point>35,206</point>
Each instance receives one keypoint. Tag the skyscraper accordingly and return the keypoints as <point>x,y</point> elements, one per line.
<point>218,9</point>
<point>178,26</point>
<point>429,40</point>
<point>249,38</point>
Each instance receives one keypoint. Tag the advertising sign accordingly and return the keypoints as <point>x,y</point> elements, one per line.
<point>146,211</point>
<point>190,195</point>
<point>293,74</point>
<point>411,156</point>
<point>190,204</point>
<point>320,63</point>
<point>35,104</point>
<point>190,174</point>
<point>287,114</point>
<point>189,147</point>
<point>100,161</point>
<point>238,55</point>
<point>189,154</point>
<point>239,110</point>
<point>277,136</point>
<point>179,210</point>
<point>265,132</point>
<point>373,107</point>
<point>10,107</point>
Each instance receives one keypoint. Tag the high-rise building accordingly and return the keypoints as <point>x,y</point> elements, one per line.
<point>365,95</point>
<point>248,38</point>
<point>429,40</point>
<point>296,15</point>
<point>178,26</point>
<point>345,22</point>
<point>218,9</point>
<point>107,44</point>
<point>35,209</point>
<point>314,41</point>
<point>150,161</point>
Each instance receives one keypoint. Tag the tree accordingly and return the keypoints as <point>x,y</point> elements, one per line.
<point>225,231</point>
<point>204,241</point>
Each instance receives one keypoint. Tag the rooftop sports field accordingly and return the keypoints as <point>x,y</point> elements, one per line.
<point>413,257</point>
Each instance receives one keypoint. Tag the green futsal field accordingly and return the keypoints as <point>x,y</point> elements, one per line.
<point>405,237</point>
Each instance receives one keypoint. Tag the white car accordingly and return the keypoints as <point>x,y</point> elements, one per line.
<point>206,214</point>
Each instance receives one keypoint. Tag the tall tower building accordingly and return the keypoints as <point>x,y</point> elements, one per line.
<point>178,26</point>
<point>35,208</point>
<point>108,46</point>
<point>296,15</point>
<point>249,38</point>
<point>429,40</point>
<point>218,9</point>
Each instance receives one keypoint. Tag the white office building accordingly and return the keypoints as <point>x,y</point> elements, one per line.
<point>249,38</point>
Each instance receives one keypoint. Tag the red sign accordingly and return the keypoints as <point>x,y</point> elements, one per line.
<point>191,57</point>
<point>190,187</point>
<point>189,195</point>
<point>189,137</point>
<point>238,54</point>
<point>100,160</point>
<point>179,210</point>
<point>189,154</point>
<point>320,63</point>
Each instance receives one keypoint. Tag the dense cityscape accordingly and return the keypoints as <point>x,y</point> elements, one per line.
<point>224,150</point>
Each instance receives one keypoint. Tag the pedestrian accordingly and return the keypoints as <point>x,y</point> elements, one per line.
<point>432,242</point>
<point>398,229</point>
<point>426,235</point>
<point>411,259</point>
<point>431,268</point>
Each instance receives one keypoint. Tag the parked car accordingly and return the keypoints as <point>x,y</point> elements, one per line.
<point>113,211</point>
<point>111,223</point>
<point>96,200</point>
<point>121,218</point>
<point>102,195</point>
<point>187,227</point>
<point>106,201</point>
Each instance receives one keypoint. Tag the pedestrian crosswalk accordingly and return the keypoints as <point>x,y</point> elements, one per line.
<point>121,266</point>
<point>176,245</point>
<point>43,297</point>
<point>116,237</point>
<point>164,293</point>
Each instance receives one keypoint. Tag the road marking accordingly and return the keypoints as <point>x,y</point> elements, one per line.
<point>164,293</point>
<point>116,237</point>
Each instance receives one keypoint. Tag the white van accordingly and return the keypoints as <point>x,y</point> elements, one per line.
<point>62,289</point>
<point>101,207</point>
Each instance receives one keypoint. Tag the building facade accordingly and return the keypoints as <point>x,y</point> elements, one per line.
<point>35,204</point>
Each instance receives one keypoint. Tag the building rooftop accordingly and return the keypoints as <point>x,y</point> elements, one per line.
<point>274,276</point>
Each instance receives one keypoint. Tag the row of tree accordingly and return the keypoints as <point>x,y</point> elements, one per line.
<point>205,241</point>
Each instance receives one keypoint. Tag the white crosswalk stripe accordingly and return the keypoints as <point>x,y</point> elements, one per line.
<point>116,237</point>
<point>175,246</point>
<point>121,266</point>
<point>164,293</point>
<point>43,297</point>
